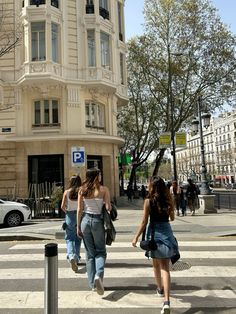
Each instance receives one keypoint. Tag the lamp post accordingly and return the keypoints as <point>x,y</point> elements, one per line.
<point>171,104</point>
<point>202,121</point>
<point>206,198</point>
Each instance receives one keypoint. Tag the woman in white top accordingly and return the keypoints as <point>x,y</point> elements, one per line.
<point>69,206</point>
<point>90,226</point>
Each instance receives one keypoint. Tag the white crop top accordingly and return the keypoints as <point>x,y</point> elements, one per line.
<point>71,204</point>
<point>93,205</point>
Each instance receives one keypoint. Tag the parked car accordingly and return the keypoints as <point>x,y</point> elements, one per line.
<point>12,214</point>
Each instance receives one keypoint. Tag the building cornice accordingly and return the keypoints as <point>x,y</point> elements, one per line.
<point>55,137</point>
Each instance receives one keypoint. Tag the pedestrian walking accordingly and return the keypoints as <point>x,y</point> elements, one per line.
<point>175,192</point>
<point>192,193</point>
<point>129,193</point>
<point>143,192</point>
<point>183,203</point>
<point>69,206</point>
<point>159,206</point>
<point>90,226</point>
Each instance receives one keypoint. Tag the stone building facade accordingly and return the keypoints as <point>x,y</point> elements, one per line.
<point>220,152</point>
<point>61,89</point>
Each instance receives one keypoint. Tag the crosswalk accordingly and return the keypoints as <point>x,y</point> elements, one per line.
<point>207,282</point>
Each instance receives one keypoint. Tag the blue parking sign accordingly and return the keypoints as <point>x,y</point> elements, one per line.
<point>77,156</point>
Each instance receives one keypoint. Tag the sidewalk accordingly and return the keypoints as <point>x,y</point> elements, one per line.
<point>222,223</point>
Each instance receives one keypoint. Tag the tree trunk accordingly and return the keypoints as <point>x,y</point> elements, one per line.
<point>158,161</point>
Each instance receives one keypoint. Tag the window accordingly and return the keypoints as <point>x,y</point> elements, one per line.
<point>37,2</point>
<point>89,7</point>
<point>46,113</point>
<point>94,115</point>
<point>38,41</point>
<point>122,80</point>
<point>103,9</point>
<point>105,51</point>
<point>55,43</point>
<point>55,3</point>
<point>121,21</point>
<point>91,48</point>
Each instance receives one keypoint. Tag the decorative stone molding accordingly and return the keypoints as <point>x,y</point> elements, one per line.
<point>38,67</point>
<point>73,97</point>
<point>97,94</point>
<point>18,99</point>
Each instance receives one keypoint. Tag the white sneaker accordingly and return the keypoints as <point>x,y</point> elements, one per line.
<point>160,292</point>
<point>99,285</point>
<point>165,309</point>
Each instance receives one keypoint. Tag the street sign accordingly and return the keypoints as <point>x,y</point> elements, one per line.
<point>180,138</point>
<point>77,156</point>
<point>165,140</point>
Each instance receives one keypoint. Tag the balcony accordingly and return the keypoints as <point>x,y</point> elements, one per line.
<point>39,69</point>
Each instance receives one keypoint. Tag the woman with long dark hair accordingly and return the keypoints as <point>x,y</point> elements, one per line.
<point>159,206</point>
<point>90,226</point>
<point>69,206</point>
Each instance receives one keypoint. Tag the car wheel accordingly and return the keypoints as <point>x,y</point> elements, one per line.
<point>13,219</point>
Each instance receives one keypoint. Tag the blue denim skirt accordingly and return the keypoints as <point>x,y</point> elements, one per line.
<point>167,245</point>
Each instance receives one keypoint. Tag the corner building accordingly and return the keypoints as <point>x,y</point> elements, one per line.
<point>59,89</point>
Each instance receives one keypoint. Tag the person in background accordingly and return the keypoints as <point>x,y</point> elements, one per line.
<point>90,226</point>
<point>191,194</point>
<point>175,192</point>
<point>129,193</point>
<point>143,192</point>
<point>182,203</point>
<point>69,206</point>
<point>159,206</point>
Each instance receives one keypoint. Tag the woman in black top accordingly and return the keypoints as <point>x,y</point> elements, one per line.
<point>159,206</point>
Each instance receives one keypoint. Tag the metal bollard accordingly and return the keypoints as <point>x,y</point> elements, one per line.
<point>51,279</point>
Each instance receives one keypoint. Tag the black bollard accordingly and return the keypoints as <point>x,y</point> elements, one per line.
<point>51,279</point>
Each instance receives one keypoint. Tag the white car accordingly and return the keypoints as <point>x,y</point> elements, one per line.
<point>12,213</point>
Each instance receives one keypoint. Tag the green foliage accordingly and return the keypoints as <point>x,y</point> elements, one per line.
<point>56,196</point>
<point>186,51</point>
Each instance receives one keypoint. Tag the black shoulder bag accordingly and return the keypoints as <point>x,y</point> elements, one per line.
<point>148,245</point>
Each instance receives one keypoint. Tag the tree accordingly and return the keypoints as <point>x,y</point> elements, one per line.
<point>10,31</point>
<point>186,51</point>
<point>136,121</point>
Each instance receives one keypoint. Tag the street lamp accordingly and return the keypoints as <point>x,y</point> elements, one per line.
<point>171,104</point>
<point>202,121</point>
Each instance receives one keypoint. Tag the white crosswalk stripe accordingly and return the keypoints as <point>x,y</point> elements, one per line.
<point>119,266</point>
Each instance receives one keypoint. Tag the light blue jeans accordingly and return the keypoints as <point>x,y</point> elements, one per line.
<point>73,242</point>
<point>92,227</point>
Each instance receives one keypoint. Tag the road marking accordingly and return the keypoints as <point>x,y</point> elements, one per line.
<point>137,254</point>
<point>185,299</point>
<point>128,245</point>
<point>118,272</point>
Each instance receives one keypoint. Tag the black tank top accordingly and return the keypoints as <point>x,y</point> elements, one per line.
<point>158,215</point>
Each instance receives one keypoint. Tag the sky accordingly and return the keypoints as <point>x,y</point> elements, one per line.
<point>134,15</point>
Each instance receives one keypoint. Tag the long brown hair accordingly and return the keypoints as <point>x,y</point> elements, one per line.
<point>91,185</point>
<point>159,195</point>
<point>74,184</point>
